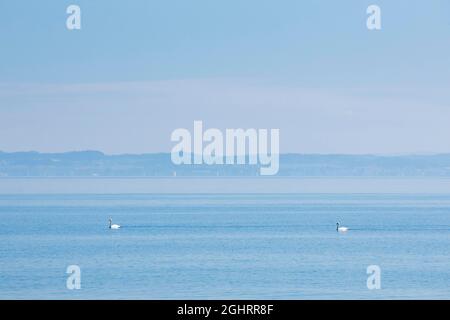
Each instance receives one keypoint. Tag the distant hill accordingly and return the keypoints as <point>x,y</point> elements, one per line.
<point>98,164</point>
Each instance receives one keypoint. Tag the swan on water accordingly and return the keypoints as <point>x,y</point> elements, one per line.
<point>341,229</point>
<point>113,226</point>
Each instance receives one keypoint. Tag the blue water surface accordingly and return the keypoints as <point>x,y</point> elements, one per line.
<point>230,246</point>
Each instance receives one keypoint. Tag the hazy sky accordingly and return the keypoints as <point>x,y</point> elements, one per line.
<point>137,70</point>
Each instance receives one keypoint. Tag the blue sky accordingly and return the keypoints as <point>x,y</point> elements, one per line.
<point>139,69</point>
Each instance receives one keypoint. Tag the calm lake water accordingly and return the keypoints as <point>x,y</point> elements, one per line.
<point>268,246</point>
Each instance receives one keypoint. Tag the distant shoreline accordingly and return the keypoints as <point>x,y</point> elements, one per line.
<point>93,164</point>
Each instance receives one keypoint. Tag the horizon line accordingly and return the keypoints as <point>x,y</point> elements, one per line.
<point>400,154</point>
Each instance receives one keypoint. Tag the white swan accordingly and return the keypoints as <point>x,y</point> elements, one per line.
<point>113,226</point>
<point>341,229</point>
